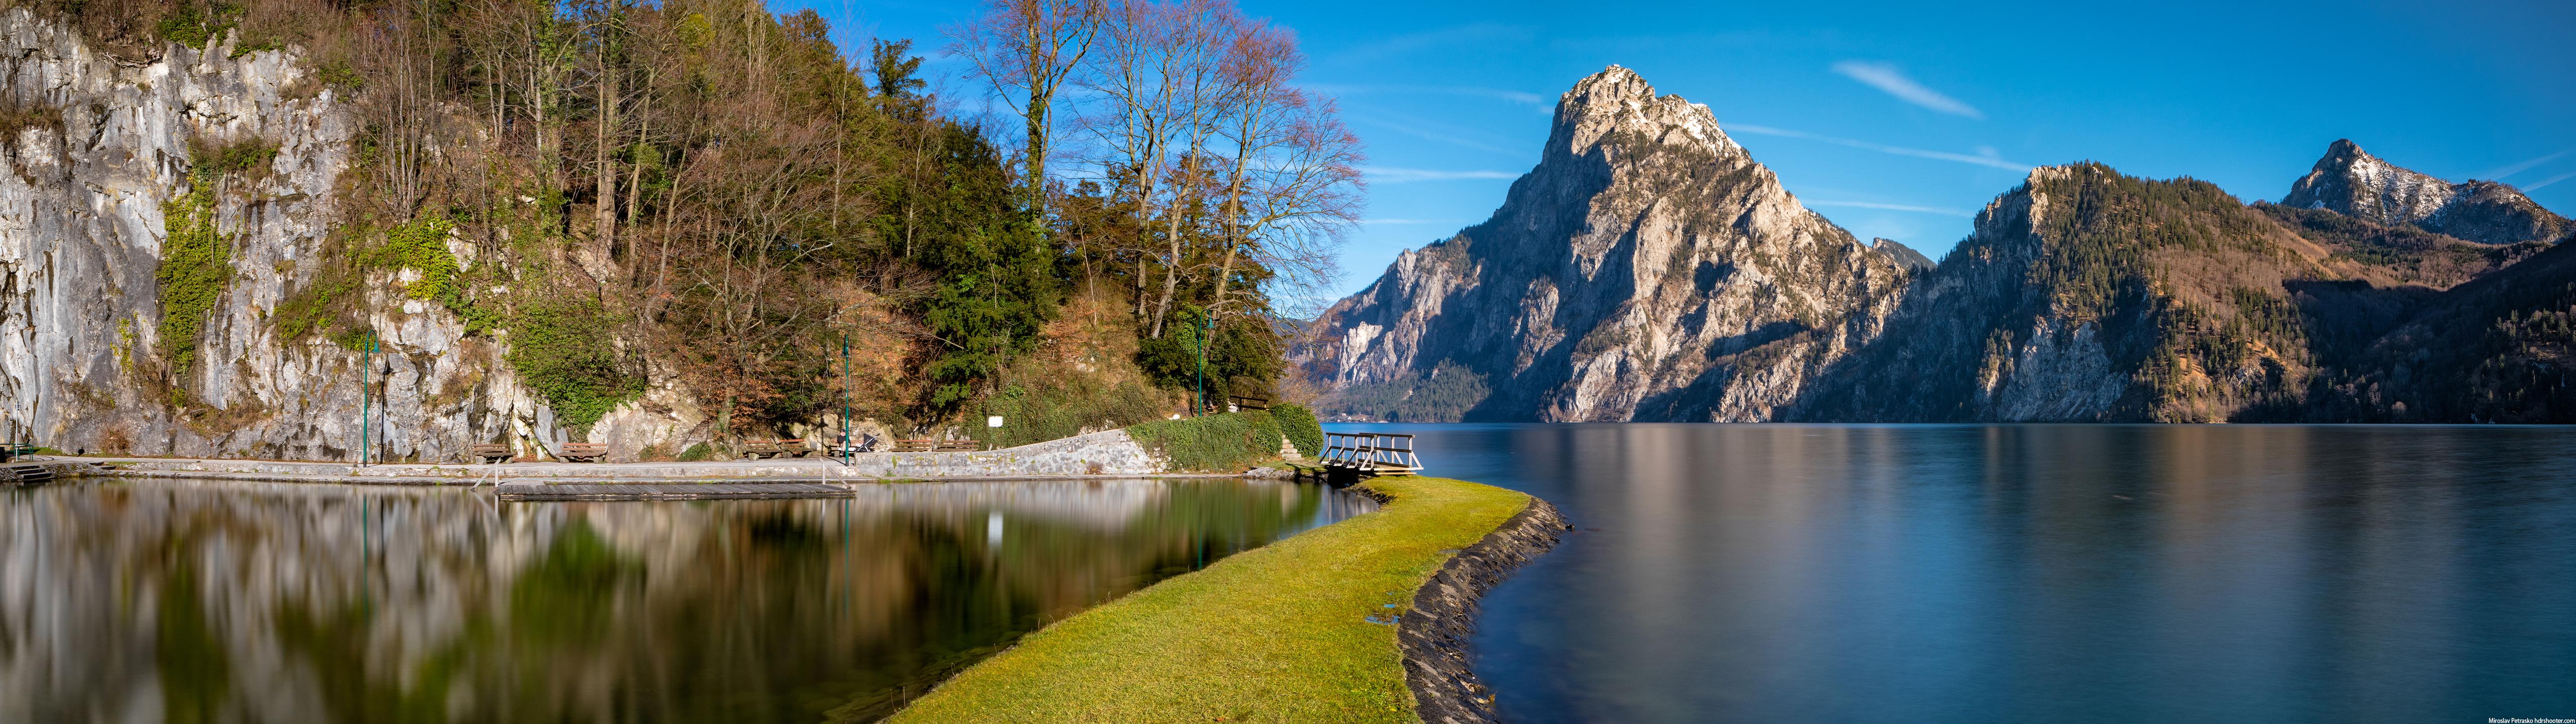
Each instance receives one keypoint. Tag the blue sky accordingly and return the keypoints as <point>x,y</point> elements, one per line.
<point>1900,120</point>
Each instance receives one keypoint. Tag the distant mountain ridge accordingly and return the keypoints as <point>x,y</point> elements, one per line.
<point>2353,183</point>
<point>1649,269</point>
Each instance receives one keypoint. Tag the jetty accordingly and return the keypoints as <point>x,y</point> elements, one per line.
<point>1369,454</point>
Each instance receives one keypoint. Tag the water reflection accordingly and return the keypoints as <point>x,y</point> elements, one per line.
<point>217,601</point>
<point>2024,573</point>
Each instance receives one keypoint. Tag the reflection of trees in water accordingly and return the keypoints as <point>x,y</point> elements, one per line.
<point>245,602</point>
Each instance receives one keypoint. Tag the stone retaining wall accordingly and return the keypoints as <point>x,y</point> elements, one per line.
<point>1434,636</point>
<point>1109,453</point>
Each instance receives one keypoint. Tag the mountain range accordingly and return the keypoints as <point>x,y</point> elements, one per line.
<point>1648,269</point>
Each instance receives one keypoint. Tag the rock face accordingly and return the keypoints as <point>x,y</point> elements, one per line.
<point>2353,183</point>
<point>83,227</point>
<point>1902,254</point>
<point>1626,277</point>
<point>1648,270</point>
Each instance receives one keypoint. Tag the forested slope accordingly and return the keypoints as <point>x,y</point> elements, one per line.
<point>657,224</point>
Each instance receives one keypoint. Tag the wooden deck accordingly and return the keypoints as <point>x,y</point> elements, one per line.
<point>1370,453</point>
<point>678,491</point>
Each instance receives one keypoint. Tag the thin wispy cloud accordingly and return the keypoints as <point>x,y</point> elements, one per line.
<point>1341,88</point>
<point>2498,174</point>
<point>1894,206</point>
<point>2552,180</point>
<point>1393,175</point>
<point>1398,45</point>
<point>1987,157</point>
<point>1429,131</point>
<point>1887,78</point>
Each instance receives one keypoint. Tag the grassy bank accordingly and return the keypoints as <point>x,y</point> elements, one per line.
<point>1274,635</point>
<point>1231,441</point>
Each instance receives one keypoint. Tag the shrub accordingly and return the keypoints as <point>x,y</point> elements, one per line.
<point>562,350</point>
<point>195,264</point>
<point>1228,443</point>
<point>1063,411</point>
<point>1299,426</point>
<point>699,452</point>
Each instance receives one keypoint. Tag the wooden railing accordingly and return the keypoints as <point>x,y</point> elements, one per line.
<point>1370,453</point>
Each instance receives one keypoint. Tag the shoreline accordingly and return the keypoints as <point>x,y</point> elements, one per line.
<point>1362,620</point>
<point>1098,455</point>
<point>1435,638</point>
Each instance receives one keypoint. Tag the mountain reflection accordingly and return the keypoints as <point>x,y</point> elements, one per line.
<point>217,601</point>
<point>2032,573</point>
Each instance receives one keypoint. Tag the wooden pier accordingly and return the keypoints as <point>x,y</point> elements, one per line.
<point>673,491</point>
<point>1370,455</point>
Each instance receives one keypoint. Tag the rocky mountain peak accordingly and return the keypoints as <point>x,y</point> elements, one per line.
<point>2351,181</point>
<point>1617,99</point>
<point>1632,275</point>
<point>1903,254</point>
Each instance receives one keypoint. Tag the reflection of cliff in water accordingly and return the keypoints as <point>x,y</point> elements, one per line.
<point>261,603</point>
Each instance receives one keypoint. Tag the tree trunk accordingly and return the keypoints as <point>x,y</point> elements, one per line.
<point>605,210</point>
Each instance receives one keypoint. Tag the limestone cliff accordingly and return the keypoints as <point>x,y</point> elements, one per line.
<point>1646,268</point>
<point>104,171</point>
<point>2351,181</point>
<point>1649,269</point>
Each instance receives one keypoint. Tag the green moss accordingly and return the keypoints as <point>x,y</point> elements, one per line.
<point>1278,633</point>
<point>420,245</point>
<point>195,265</point>
<point>699,452</point>
<point>1228,443</point>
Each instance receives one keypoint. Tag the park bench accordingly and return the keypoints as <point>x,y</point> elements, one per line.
<point>768,448</point>
<point>967,445</point>
<point>1247,402</point>
<point>582,451</point>
<point>492,453</point>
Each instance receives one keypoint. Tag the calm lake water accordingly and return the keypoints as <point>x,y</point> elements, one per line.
<point>217,601</point>
<point>2030,573</point>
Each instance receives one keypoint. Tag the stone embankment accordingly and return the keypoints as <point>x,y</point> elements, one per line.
<point>1109,453</point>
<point>1434,638</point>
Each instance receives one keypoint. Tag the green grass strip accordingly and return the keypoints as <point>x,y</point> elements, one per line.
<point>1273,634</point>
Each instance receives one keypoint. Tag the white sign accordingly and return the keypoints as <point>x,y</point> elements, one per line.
<point>993,421</point>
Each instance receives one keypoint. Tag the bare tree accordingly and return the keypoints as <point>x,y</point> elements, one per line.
<point>1027,49</point>
<point>1161,90</point>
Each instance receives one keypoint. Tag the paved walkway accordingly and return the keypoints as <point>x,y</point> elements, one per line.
<point>1100,455</point>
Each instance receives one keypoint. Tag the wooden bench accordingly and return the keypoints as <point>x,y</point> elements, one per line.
<point>1247,402</point>
<point>492,453</point>
<point>966,445</point>
<point>582,451</point>
<point>768,448</point>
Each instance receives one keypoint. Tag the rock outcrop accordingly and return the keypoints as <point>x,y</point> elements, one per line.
<point>1649,269</point>
<point>1626,277</point>
<point>98,180</point>
<point>2353,183</point>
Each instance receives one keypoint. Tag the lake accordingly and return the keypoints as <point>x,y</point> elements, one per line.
<point>2030,573</point>
<point>208,601</point>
